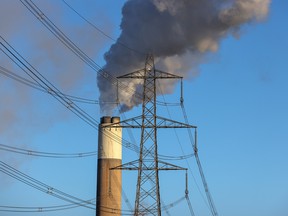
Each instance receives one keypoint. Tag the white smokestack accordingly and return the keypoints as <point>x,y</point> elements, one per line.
<point>177,32</point>
<point>109,183</point>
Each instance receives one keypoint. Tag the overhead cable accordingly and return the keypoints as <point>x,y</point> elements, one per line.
<point>195,147</point>
<point>30,152</point>
<point>16,174</point>
<point>45,84</point>
<point>35,85</point>
<point>25,209</point>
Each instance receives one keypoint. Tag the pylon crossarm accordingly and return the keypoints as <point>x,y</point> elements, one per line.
<point>134,165</point>
<point>139,74</point>
<point>168,123</point>
<point>164,75</point>
<point>167,166</point>
<point>162,122</point>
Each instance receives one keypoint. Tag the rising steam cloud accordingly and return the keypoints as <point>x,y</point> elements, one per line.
<point>178,33</point>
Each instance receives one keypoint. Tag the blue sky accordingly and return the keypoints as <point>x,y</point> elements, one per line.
<point>238,101</point>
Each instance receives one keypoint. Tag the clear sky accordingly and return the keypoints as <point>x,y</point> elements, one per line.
<point>238,100</point>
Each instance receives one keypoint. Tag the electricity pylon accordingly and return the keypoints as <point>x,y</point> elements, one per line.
<point>147,200</point>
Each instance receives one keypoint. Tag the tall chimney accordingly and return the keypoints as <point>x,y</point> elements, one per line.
<point>109,182</point>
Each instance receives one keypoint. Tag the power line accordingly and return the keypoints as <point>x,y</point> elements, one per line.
<point>36,86</point>
<point>22,209</point>
<point>195,147</point>
<point>130,212</point>
<point>186,159</point>
<point>182,150</point>
<point>208,194</point>
<point>30,152</point>
<point>44,83</point>
<point>16,174</point>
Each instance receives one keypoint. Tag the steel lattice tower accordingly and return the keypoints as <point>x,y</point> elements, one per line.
<point>148,179</point>
<point>147,200</point>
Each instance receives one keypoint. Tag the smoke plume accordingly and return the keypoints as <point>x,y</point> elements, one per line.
<point>177,32</point>
<point>25,112</point>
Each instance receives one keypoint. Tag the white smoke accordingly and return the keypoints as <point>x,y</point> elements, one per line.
<point>178,32</point>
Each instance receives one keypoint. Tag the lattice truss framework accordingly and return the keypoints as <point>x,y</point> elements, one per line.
<point>147,200</point>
